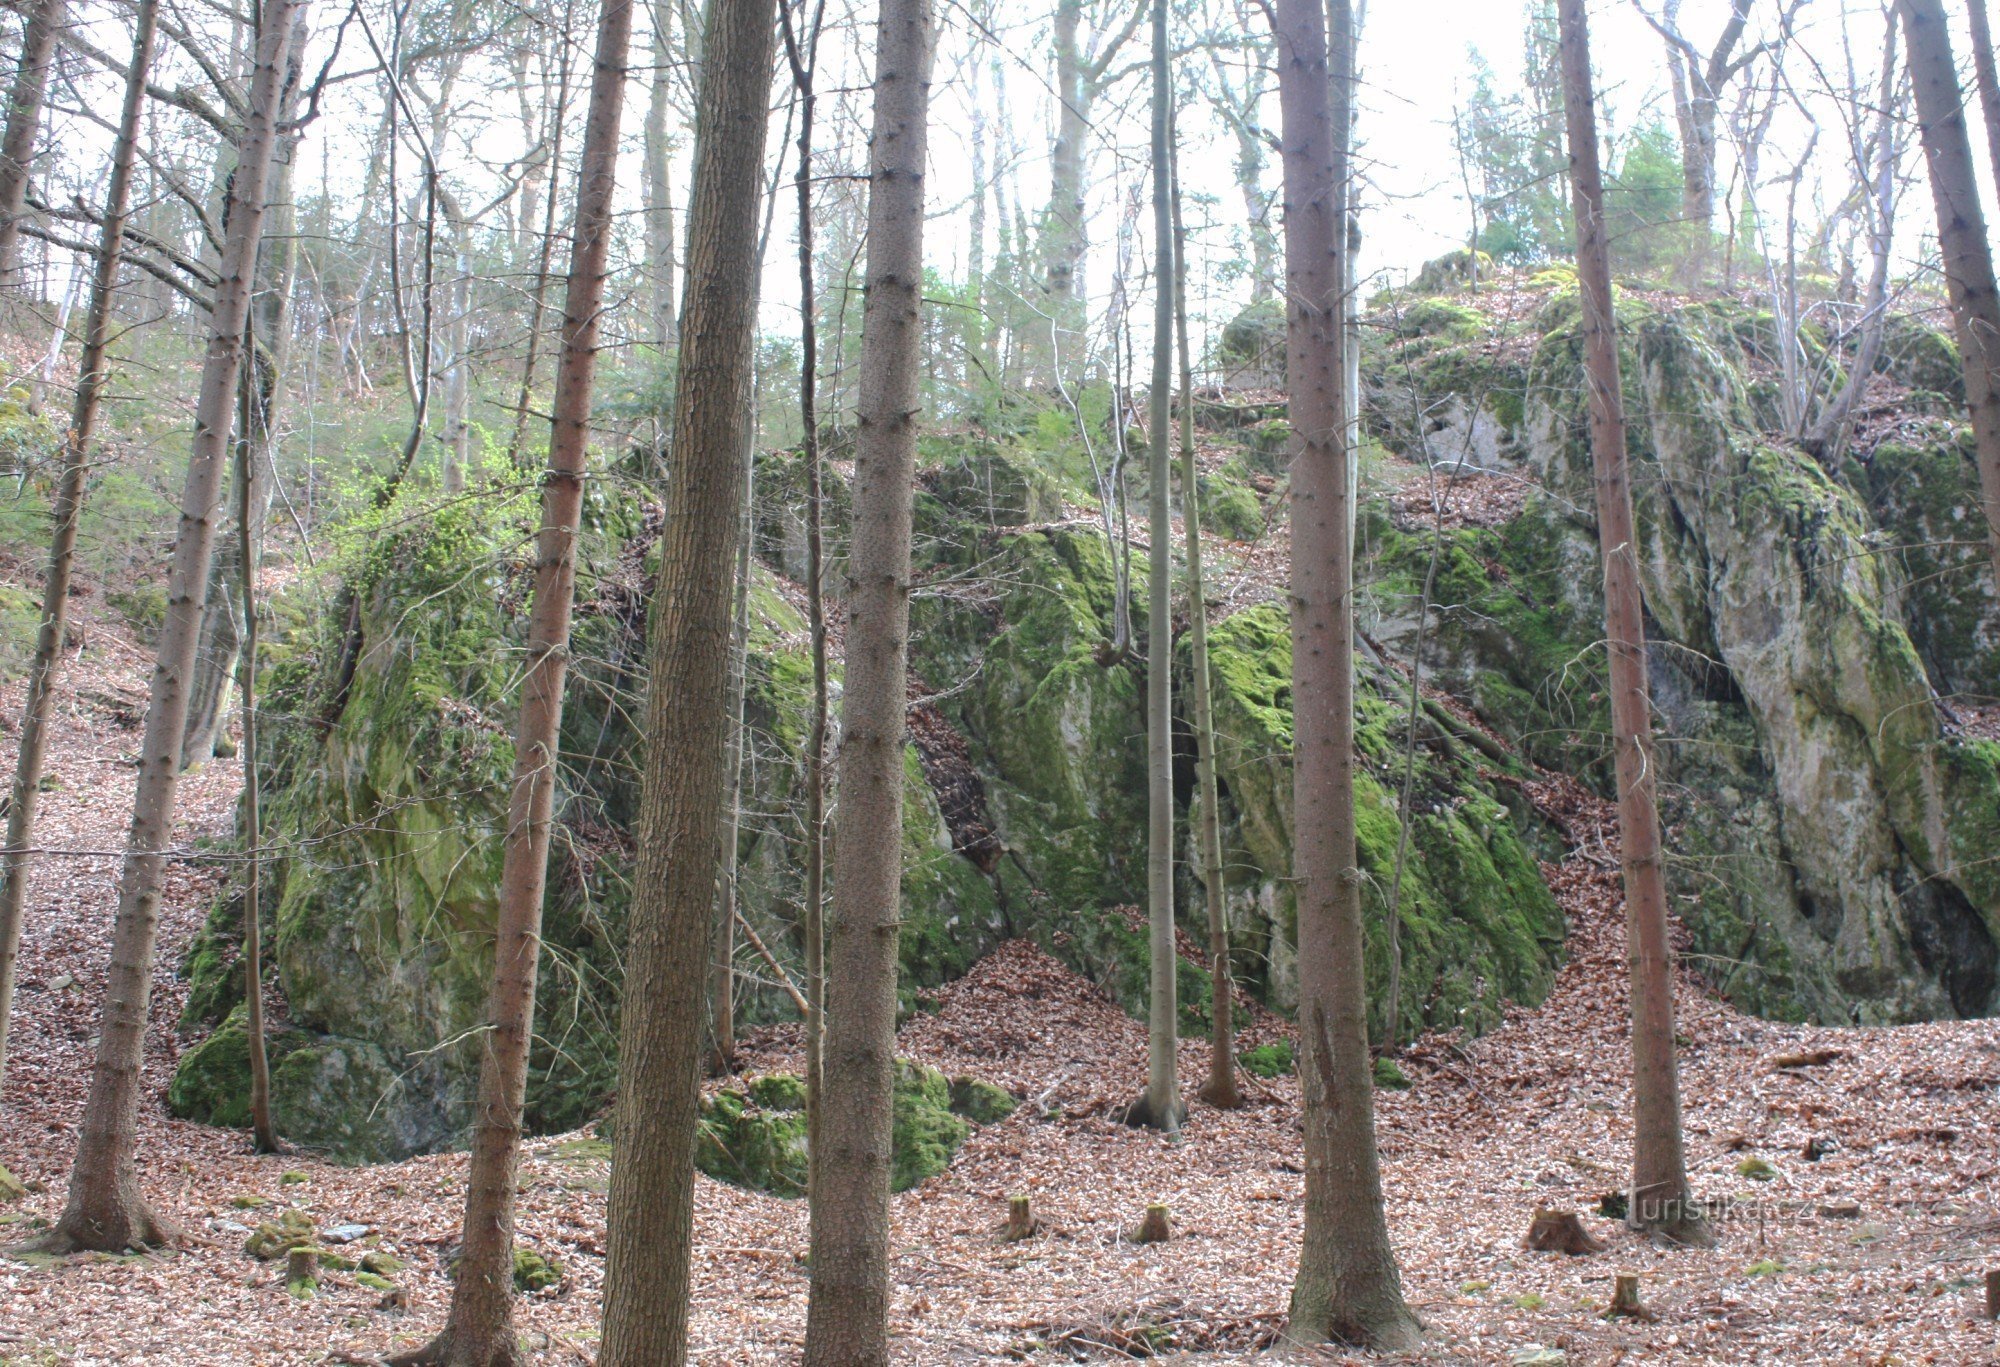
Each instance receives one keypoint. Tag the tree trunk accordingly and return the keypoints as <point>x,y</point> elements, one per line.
<point>248,483</point>
<point>651,1205</point>
<point>106,1209</point>
<point>847,1319</point>
<point>1827,439</point>
<point>1220,1089</point>
<point>1968,263</point>
<point>544,255</point>
<point>1161,1105</point>
<point>1660,1202</point>
<point>802,51</point>
<point>261,380</point>
<point>45,22</point>
<point>1063,227</point>
<point>93,369</point>
<point>1347,1286</point>
<point>722,969</point>
<point>1988,77</point>
<point>659,190</point>
<point>479,1329</point>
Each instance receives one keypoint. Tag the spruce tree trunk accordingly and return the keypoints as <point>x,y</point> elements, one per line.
<point>479,1330</point>
<point>847,1318</point>
<point>1220,1090</point>
<point>1161,1106</point>
<point>106,1210</point>
<point>1988,76</point>
<point>651,1205</point>
<point>45,22</point>
<point>1968,261</point>
<point>1348,1286</point>
<point>93,372</point>
<point>1660,1202</point>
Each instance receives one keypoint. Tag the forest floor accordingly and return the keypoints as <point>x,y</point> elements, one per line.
<point>1533,1114</point>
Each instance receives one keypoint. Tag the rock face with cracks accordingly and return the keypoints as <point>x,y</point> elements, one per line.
<point>1813,630</point>
<point>1824,813</point>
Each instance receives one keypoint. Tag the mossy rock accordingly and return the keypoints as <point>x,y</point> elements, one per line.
<point>1390,1077</point>
<point>1757,1169</point>
<point>1454,270</point>
<point>987,484</point>
<point>1441,318</point>
<point>981,1102</point>
<point>778,1092</point>
<point>1255,336</point>
<point>11,1189</point>
<point>535,1271</point>
<point>1229,506</point>
<point>747,1144</point>
<point>1922,357</point>
<point>1479,926</point>
<point>381,1264</point>
<point>326,1094</point>
<point>926,1134</point>
<point>276,1238</point>
<point>1268,1060</point>
<point>211,1083</point>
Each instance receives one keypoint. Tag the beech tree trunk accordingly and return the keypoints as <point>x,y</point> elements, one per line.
<point>802,50</point>
<point>847,1317</point>
<point>479,1329</point>
<point>249,481</point>
<point>1348,1286</point>
<point>1827,438</point>
<point>93,371</point>
<point>106,1209</point>
<point>45,22</point>
<point>1161,1105</point>
<point>261,380</point>
<point>1063,230</point>
<point>651,1205</point>
<point>658,187</point>
<point>736,758</point>
<point>1220,1089</point>
<point>1968,261</point>
<point>1660,1202</point>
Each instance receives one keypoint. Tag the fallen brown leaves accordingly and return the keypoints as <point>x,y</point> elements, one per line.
<point>1533,1115</point>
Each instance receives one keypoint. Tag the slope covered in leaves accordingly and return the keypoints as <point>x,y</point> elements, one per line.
<point>1532,1114</point>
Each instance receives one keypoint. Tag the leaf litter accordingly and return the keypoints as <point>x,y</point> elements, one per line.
<point>1865,1242</point>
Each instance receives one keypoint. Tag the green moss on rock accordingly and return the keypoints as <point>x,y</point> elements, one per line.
<point>1229,506</point>
<point>534,1270</point>
<point>211,1083</point>
<point>1268,1060</point>
<point>275,1238</point>
<point>748,1142</point>
<point>981,1102</point>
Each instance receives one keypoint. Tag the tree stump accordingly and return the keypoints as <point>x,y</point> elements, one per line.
<point>1625,1298</point>
<point>1560,1231</point>
<point>1021,1222</point>
<point>1154,1228</point>
<point>1993,1293</point>
<point>302,1265</point>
